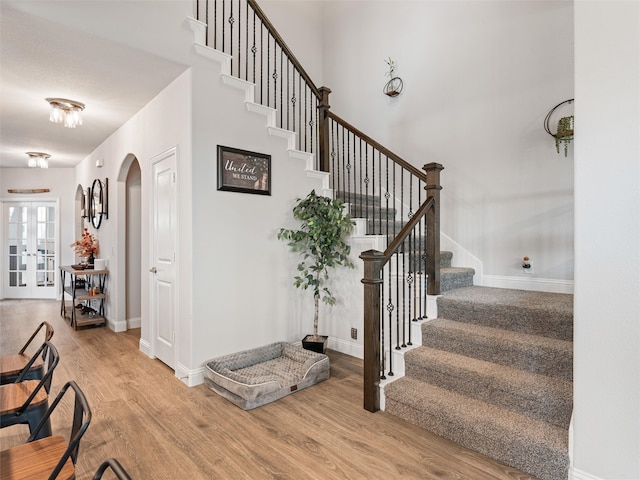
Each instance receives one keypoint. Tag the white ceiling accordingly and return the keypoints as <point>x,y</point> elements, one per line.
<point>40,59</point>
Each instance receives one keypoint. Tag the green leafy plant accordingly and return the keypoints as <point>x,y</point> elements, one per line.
<point>392,67</point>
<point>321,240</point>
<point>564,133</point>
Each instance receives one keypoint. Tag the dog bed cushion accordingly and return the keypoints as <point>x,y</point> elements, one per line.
<point>255,377</point>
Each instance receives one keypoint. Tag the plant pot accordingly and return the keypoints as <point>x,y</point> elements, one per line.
<point>318,346</point>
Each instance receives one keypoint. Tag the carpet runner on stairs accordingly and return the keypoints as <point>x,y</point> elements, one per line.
<point>494,374</point>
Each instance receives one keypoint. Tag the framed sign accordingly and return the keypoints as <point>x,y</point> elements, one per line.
<point>243,171</point>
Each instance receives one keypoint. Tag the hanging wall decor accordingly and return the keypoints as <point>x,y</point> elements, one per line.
<point>564,130</point>
<point>243,171</point>
<point>99,202</point>
<point>394,86</point>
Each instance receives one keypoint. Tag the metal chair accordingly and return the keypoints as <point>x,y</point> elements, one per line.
<point>12,365</point>
<point>118,470</point>
<point>25,401</point>
<point>51,457</point>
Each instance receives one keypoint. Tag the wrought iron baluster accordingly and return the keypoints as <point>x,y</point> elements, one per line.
<point>231,21</point>
<point>274,75</point>
<point>381,320</point>
<point>239,43</point>
<point>401,317</point>
<point>261,62</point>
<point>246,43</point>
<point>390,309</point>
<point>366,182</point>
<point>335,159</point>
<point>312,112</point>
<point>288,84</point>
<point>305,117</point>
<point>344,168</point>
<point>254,48</point>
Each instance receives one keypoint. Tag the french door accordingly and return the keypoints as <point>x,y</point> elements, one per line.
<point>31,242</point>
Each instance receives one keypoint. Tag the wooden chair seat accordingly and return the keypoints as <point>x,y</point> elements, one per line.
<point>13,364</point>
<point>26,401</point>
<point>36,460</point>
<point>14,395</point>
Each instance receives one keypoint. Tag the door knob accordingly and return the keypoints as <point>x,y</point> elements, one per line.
<point>153,270</point>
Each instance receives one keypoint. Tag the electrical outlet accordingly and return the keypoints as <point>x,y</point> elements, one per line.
<point>527,266</point>
<point>354,333</point>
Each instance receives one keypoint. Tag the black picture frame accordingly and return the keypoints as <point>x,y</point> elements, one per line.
<point>243,171</point>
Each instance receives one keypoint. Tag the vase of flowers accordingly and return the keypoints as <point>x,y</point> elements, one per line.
<point>86,246</point>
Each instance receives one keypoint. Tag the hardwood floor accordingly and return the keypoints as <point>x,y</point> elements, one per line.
<point>159,428</point>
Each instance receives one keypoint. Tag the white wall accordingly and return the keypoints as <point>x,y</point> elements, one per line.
<point>479,79</point>
<point>243,295</point>
<point>163,123</point>
<point>300,25</point>
<point>607,231</point>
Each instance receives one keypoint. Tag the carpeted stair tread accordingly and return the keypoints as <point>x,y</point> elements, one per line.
<point>530,445</point>
<point>358,198</point>
<point>377,226</point>
<point>452,278</point>
<point>372,212</point>
<point>546,356</point>
<point>537,313</point>
<point>539,396</point>
<point>445,259</point>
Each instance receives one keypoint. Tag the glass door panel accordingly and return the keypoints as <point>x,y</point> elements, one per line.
<point>31,239</point>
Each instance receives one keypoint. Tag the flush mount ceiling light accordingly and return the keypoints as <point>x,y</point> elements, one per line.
<point>68,112</point>
<point>38,159</point>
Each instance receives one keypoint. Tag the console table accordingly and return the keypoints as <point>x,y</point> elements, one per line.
<point>88,298</point>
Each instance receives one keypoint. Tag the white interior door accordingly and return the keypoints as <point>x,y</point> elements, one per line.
<point>163,271</point>
<point>31,233</point>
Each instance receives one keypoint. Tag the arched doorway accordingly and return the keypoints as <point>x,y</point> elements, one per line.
<point>130,243</point>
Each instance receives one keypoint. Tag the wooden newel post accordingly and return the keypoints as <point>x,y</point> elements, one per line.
<point>433,188</point>
<point>323,129</point>
<point>373,263</point>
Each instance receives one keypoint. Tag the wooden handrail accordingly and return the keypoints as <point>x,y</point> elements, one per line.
<point>403,163</point>
<point>406,230</point>
<point>374,262</point>
<point>274,33</point>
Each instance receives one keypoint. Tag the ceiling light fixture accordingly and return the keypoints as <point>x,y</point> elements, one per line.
<point>68,112</point>
<point>38,159</point>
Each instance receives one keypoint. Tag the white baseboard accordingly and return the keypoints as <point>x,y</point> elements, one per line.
<point>349,348</point>
<point>145,347</point>
<point>134,322</point>
<point>191,378</point>
<point>117,326</point>
<point>575,474</point>
<point>533,284</point>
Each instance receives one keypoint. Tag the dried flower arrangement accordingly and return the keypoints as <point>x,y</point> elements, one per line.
<point>86,245</point>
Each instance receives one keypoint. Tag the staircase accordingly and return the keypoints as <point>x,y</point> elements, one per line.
<point>494,374</point>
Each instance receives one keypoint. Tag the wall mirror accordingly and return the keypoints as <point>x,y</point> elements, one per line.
<point>84,203</point>
<point>95,203</point>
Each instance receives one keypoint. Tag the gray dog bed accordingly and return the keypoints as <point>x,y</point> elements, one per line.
<point>262,375</point>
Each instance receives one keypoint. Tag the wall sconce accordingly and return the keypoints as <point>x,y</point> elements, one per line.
<point>394,86</point>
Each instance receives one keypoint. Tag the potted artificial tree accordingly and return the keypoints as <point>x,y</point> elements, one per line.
<point>321,240</point>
